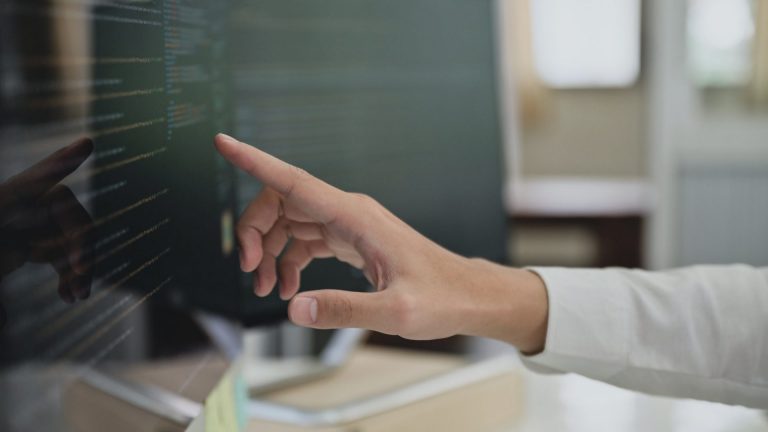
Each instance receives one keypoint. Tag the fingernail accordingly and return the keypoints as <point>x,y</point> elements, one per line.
<point>82,145</point>
<point>304,310</point>
<point>256,283</point>
<point>228,138</point>
<point>241,257</point>
<point>284,295</point>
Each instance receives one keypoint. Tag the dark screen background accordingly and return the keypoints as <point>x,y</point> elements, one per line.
<point>108,245</point>
<point>395,99</point>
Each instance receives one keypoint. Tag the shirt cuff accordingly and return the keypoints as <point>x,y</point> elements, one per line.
<point>587,329</point>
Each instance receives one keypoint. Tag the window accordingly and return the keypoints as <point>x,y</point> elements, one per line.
<point>586,43</point>
<point>720,41</point>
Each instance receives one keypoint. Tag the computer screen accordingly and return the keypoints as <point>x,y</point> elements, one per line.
<point>396,99</point>
<point>112,198</point>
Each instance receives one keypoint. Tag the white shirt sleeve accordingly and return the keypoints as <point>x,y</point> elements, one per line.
<point>698,332</point>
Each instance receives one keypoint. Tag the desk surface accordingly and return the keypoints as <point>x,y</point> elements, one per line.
<point>546,403</point>
<point>488,405</point>
<point>576,404</point>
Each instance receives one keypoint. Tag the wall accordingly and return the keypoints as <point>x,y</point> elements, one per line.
<point>588,133</point>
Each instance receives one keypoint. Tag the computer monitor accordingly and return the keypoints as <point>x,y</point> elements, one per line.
<point>112,197</point>
<point>396,99</point>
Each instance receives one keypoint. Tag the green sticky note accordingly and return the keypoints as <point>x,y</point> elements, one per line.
<point>241,401</point>
<point>225,406</point>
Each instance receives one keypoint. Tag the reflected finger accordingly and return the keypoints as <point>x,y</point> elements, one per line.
<point>74,223</point>
<point>71,284</point>
<point>41,177</point>
<point>66,275</point>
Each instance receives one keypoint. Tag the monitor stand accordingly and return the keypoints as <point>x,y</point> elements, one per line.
<point>263,375</point>
<point>263,372</point>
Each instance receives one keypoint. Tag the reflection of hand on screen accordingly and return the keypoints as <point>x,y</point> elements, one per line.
<point>42,221</point>
<point>423,290</point>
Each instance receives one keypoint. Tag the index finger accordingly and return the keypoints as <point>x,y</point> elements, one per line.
<point>311,195</point>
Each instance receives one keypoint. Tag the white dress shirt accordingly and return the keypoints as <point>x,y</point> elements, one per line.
<point>698,332</point>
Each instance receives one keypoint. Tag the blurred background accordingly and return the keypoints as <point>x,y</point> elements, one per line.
<point>641,140</point>
<point>597,133</point>
<point>638,121</point>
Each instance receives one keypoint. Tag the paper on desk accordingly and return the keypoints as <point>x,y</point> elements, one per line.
<point>225,406</point>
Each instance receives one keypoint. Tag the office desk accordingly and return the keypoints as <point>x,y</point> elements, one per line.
<point>491,405</point>
<point>527,402</point>
<point>572,403</point>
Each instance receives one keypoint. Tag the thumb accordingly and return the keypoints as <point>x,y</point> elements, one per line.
<point>330,309</point>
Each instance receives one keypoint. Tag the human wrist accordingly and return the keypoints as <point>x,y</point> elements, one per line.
<point>534,313</point>
<point>509,304</point>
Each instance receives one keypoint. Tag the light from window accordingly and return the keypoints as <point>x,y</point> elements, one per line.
<point>720,36</point>
<point>586,43</point>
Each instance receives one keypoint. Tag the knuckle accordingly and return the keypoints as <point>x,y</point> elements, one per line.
<point>287,229</point>
<point>480,261</point>
<point>298,176</point>
<point>241,229</point>
<point>366,204</point>
<point>299,172</point>
<point>364,199</point>
<point>247,232</point>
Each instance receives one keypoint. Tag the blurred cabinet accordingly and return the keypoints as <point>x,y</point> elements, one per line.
<point>584,222</point>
